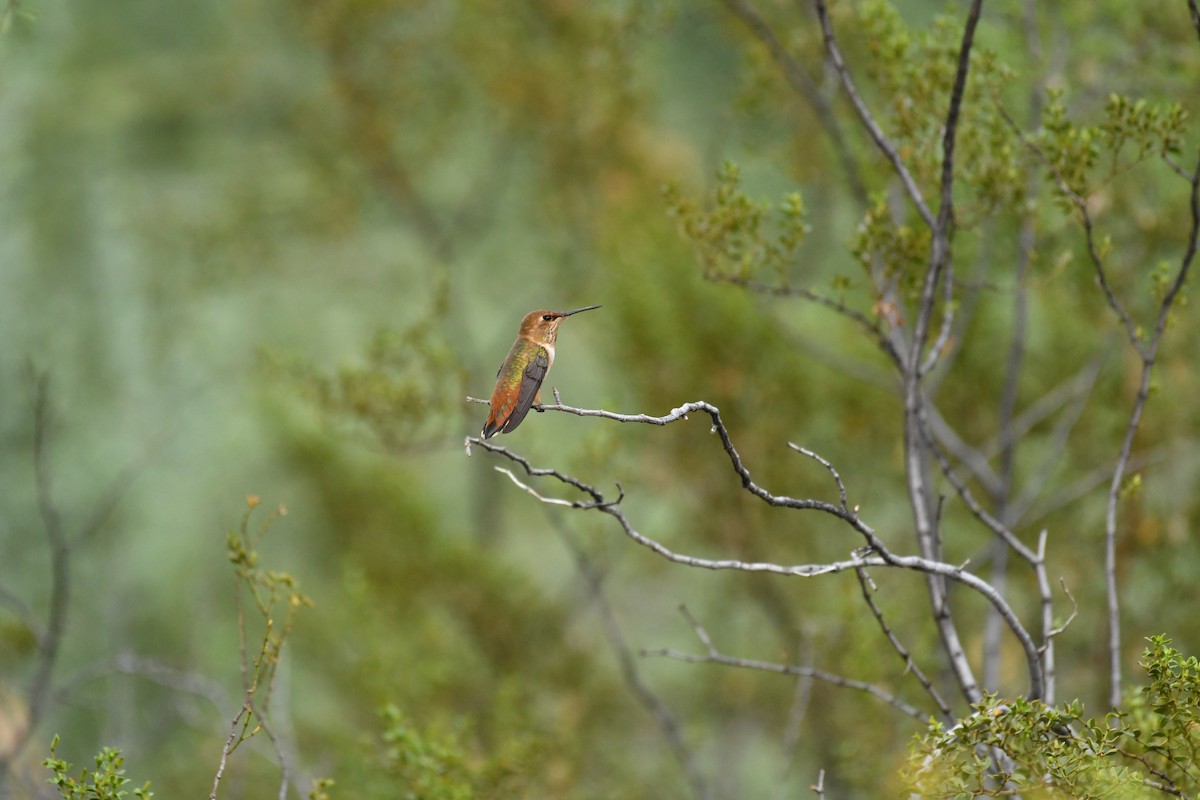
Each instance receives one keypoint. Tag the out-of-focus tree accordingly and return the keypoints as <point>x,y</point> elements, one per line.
<point>373,192</point>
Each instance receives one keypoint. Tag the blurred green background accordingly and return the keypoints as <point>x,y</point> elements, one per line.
<point>269,248</point>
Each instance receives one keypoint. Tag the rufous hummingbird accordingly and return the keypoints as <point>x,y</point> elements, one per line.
<point>519,379</point>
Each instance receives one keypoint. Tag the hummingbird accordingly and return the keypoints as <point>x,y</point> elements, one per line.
<point>519,379</point>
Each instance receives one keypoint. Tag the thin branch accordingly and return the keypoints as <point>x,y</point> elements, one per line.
<point>118,488</point>
<point>1026,242</point>
<point>803,85</point>
<point>1081,205</point>
<point>714,656</point>
<point>1056,449</point>
<point>179,680</point>
<point>832,471</point>
<point>718,427</point>
<point>940,260</point>
<point>863,321</point>
<point>910,665</point>
<point>1149,354</point>
<point>915,427</point>
<point>1073,389</point>
<point>1102,277</point>
<point>1055,631</point>
<point>868,121</point>
<point>819,787</point>
<point>971,458</point>
<point>50,640</point>
<point>885,557</point>
<point>801,697</point>
<point>1086,483</point>
<point>976,508</point>
<point>646,697</point>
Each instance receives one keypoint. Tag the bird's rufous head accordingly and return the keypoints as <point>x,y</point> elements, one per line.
<point>542,326</point>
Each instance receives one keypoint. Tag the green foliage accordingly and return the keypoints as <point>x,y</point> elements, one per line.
<point>914,72</point>
<point>436,762</point>
<point>1082,158</point>
<point>1162,723</point>
<point>900,249</point>
<point>190,184</point>
<point>738,236</point>
<point>403,394</point>
<point>1015,747</point>
<point>105,782</point>
<point>425,764</point>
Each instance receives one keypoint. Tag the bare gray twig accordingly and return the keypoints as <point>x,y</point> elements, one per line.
<point>868,120</point>
<point>798,78</point>
<point>714,656</point>
<point>646,697</point>
<point>1149,353</point>
<point>864,322</point>
<point>883,557</point>
<point>910,665</point>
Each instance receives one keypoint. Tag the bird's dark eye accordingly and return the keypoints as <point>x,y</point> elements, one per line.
<point>547,317</point>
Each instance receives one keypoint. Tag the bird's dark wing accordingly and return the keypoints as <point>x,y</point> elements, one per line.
<point>531,381</point>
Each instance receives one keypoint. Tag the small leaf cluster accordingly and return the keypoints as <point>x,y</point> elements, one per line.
<point>1162,724</point>
<point>427,765</point>
<point>1082,158</point>
<point>915,72</point>
<point>436,763</point>
<point>738,236</point>
<point>895,247</point>
<point>105,782</point>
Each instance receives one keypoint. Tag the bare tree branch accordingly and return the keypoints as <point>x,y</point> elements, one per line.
<point>910,665</point>
<point>868,325</point>
<point>1149,353</point>
<point>51,634</point>
<point>714,656</point>
<point>646,697</point>
<point>819,787</point>
<point>1073,390</point>
<point>980,513</point>
<point>868,121</point>
<point>803,85</point>
<point>884,557</point>
<point>971,458</point>
<point>1002,494</point>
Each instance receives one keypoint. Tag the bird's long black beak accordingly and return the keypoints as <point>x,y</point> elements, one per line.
<point>576,311</point>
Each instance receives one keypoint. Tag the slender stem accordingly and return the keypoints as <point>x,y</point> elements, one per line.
<point>629,671</point>
<point>910,665</point>
<point>868,120</point>
<point>50,639</point>
<point>803,85</point>
<point>714,656</point>
<point>1149,353</point>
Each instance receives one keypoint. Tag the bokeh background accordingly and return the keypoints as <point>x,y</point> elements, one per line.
<point>269,248</point>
